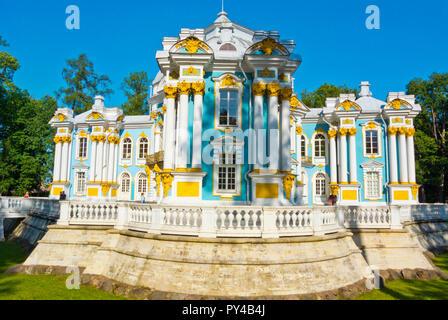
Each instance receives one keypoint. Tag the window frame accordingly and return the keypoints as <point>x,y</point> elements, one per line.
<point>320,160</point>
<point>228,82</point>
<point>320,199</point>
<point>137,192</point>
<point>76,190</point>
<point>371,126</point>
<point>126,161</point>
<point>139,144</point>
<point>124,196</point>
<point>82,135</point>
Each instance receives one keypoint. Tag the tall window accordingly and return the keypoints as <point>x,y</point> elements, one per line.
<point>320,186</point>
<point>82,147</point>
<point>371,142</point>
<point>373,185</point>
<point>227,172</point>
<point>125,183</point>
<point>303,146</point>
<point>142,183</point>
<point>80,182</point>
<point>143,148</point>
<point>127,149</point>
<point>319,146</point>
<point>228,107</point>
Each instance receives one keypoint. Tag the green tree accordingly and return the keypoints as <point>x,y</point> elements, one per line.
<point>25,137</point>
<point>8,65</point>
<point>83,84</point>
<point>316,99</point>
<point>432,136</point>
<point>135,87</point>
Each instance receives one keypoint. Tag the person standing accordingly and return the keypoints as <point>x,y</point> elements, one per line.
<point>142,198</point>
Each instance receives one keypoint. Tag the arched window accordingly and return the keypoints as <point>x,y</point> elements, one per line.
<point>319,146</point>
<point>320,185</point>
<point>228,107</point>
<point>303,146</point>
<point>125,183</point>
<point>82,147</point>
<point>142,183</point>
<point>127,149</point>
<point>143,148</point>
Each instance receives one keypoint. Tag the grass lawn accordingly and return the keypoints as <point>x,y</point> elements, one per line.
<point>39,287</point>
<point>414,289</point>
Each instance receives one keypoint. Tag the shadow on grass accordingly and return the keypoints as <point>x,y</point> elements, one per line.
<point>10,255</point>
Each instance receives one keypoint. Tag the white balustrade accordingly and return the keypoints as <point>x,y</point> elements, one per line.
<point>367,217</point>
<point>241,221</point>
<point>18,207</point>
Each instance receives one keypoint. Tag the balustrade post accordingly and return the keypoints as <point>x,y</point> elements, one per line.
<point>2,234</point>
<point>340,217</point>
<point>64,216</point>
<point>156,220</point>
<point>397,214</point>
<point>317,222</point>
<point>270,229</point>
<point>123,216</point>
<point>208,224</point>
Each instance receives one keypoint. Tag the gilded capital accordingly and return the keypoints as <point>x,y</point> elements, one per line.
<point>286,93</point>
<point>273,89</point>
<point>198,88</point>
<point>170,92</point>
<point>352,131</point>
<point>167,182</point>
<point>259,89</point>
<point>410,132</point>
<point>184,87</point>
<point>343,131</point>
<point>288,182</point>
<point>402,131</point>
<point>299,130</point>
<point>294,102</point>
<point>332,133</point>
<point>392,131</point>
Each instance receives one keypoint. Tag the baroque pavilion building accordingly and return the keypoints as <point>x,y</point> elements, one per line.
<point>226,128</point>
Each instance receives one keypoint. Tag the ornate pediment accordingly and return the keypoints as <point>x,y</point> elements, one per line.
<point>268,47</point>
<point>191,45</point>
<point>372,164</point>
<point>398,104</point>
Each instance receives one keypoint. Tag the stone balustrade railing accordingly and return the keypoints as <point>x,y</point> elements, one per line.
<point>20,207</point>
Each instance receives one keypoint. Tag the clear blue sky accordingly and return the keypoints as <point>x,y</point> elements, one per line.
<point>123,36</point>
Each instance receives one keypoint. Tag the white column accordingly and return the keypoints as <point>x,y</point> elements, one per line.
<point>93,161</point>
<point>333,161</point>
<point>157,140</point>
<point>170,123</point>
<point>259,90</point>
<point>64,162</point>
<point>403,155</point>
<point>69,159</point>
<point>392,133</point>
<point>104,163</point>
<point>411,155</point>
<point>115,165</point>
<point>99,162</point>
<point>110,165</point>
<point>285,130</point>
<point>274,141</point>
<point>198,89</point>
<point>57,160</point>
<point>298,133</point>
<point>343,155</point>
<point>352,155</point>
<point>183,136</point>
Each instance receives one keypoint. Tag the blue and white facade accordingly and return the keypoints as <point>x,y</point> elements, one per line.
<point>226,128</point>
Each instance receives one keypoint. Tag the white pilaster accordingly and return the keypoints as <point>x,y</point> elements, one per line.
<point>352,155</point>
<point>403,156</point>
<point>57,162</point>
<point>343,155</point>
<point>393,155</point>
<point>170,123</point>
<point>333,154</point>
<point>115,162</point>
<point>93,161</point>
<point>274,141</point>
<point>285,130</point>
<point>182,140</point>
<point>104,163</point>
<point>99,162</point>
<point>64,162</point>
<point>411,155</point>
<point>110,165</point>
<point>198,89</point>
<point>258,91</point>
